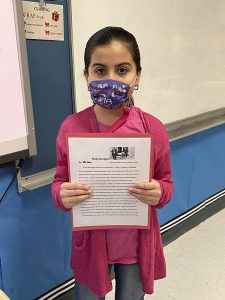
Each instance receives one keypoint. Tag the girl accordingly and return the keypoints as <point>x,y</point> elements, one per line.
<point>113,69</point>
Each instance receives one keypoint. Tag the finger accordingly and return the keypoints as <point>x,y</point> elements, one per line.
<point>71,201</point>
<point>79,199</point>
<point>75,186</point>
<point>140,196</point>
<point>144,185</point>
<point>72,193</point>
<point>144,199</point>
<point>146,192</point>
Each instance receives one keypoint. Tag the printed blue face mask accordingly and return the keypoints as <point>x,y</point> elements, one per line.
<point>110,94</point>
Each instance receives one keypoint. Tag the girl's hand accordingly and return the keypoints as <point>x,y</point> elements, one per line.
<point>147,192</point>
<point>74,193</point>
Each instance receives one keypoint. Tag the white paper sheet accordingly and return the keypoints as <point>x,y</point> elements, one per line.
<point>109,165</point>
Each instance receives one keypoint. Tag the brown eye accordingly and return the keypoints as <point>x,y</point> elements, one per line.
<point>100,71</point>
<point>122,70</point>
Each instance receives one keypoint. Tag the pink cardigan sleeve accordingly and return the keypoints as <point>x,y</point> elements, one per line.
<point>162,162</point>
<point>162,174</point>
<point>61,174</point>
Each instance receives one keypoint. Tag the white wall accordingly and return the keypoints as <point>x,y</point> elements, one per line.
<point>182,45</point>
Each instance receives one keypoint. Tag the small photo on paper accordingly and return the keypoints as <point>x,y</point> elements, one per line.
<point>117,153</point>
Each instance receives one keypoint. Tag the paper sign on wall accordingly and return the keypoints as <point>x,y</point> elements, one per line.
<point>43,22</point>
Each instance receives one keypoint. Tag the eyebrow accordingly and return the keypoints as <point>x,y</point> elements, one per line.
<point>102,65</point>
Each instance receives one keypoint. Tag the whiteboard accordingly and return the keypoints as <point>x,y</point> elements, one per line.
<point>15,89</point>
<point>182,45</point>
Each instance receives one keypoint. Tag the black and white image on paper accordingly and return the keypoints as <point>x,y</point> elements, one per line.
<point>125,152</point>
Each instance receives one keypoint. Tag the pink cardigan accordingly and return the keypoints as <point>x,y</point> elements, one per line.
<point>89,254</point>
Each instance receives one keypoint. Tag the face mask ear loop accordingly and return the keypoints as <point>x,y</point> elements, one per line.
<point>134,83</point>
<point>88,84</point>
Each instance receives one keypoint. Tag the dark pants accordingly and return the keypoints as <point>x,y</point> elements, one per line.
<point>128,285</point>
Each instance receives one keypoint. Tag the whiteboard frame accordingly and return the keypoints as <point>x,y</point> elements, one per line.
<point>26,89</point>
<point>197,123</point>
<point>21,39</point>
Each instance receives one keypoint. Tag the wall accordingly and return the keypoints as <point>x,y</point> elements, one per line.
<point>35,241</point>
<point>198,170</point>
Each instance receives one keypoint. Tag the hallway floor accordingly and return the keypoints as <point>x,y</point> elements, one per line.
<point>195,264</point>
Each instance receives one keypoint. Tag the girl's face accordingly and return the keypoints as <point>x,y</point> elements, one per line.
<point>113,61</point>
